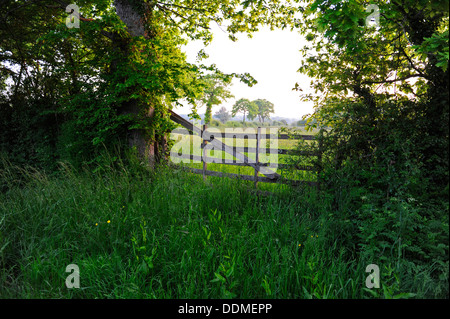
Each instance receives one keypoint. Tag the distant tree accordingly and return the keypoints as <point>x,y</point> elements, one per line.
<point>215,92</point>
<point>277,123</point>
<point>244,106</point>
<point>215,123</point>
<point>301,123</point>
<point>223,115</point>
<point>264,109</point>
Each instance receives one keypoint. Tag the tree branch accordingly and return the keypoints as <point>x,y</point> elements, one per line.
<point>401,26</point>
<point>15,8</point>
<point>395,80</point>
<point>412,64</point>
<point>181,7</point>
<point>159,3</point>
<point>163,8</point>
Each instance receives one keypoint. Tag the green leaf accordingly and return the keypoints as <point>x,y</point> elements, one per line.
<point>373,292</point>
<point>219,277</point>
<point>404,295</point>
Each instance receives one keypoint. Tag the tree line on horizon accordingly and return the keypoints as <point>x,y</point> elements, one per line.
<point>216,91</point>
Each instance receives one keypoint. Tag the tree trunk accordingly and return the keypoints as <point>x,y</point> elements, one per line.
<point>128,12</point>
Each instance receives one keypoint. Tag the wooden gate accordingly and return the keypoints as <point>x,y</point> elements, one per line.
<point>270,176</point>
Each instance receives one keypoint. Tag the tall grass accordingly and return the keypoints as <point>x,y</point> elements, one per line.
<point>136,233</point>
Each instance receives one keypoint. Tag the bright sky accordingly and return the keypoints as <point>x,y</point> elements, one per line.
<point>271,57</point>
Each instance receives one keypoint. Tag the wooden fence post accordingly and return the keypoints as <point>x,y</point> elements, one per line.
<point>319,159</point>
<point>205,126</point>
<point>258,142</point>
